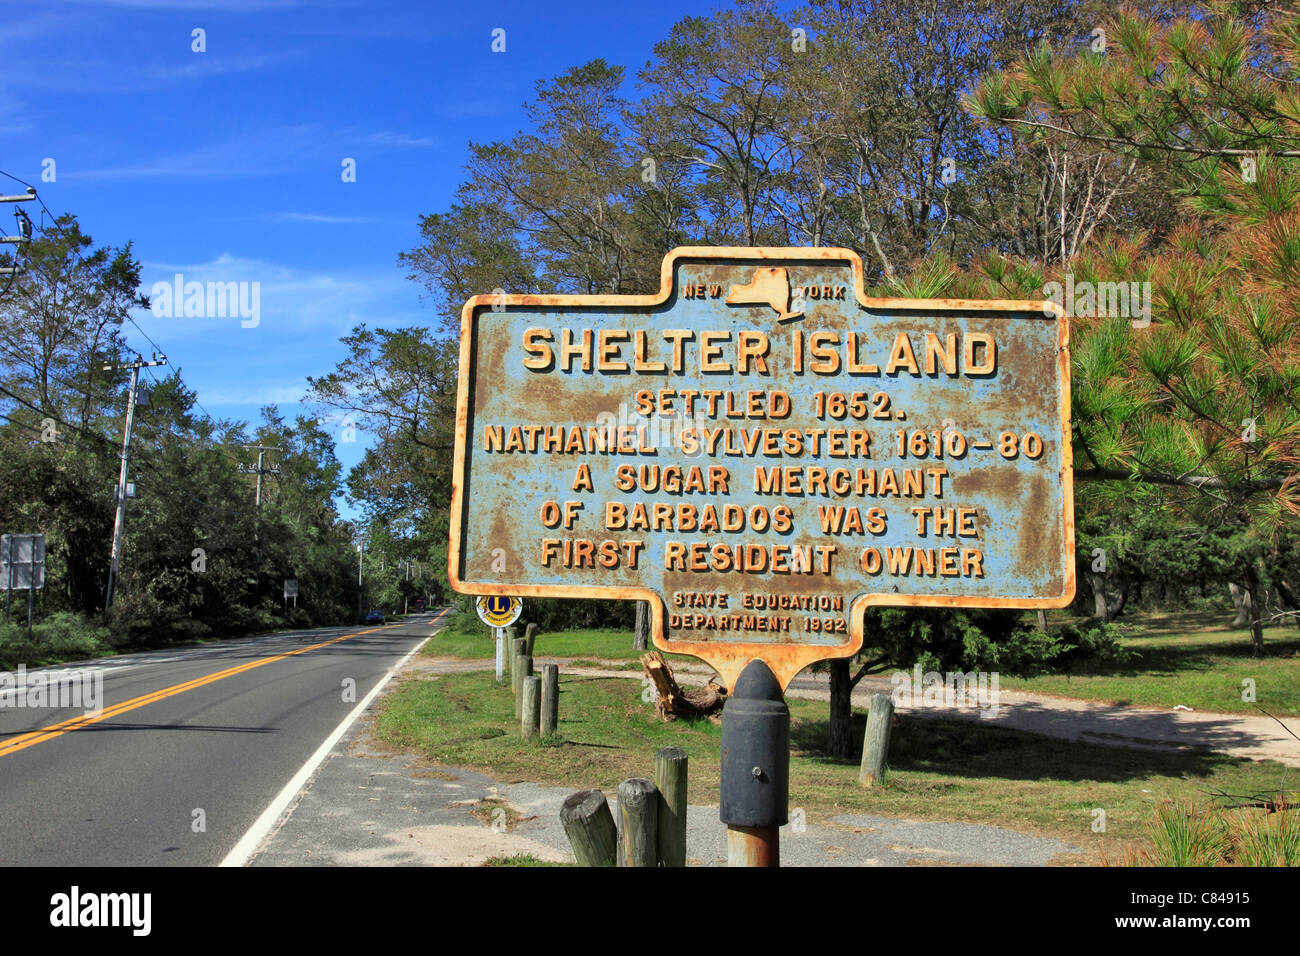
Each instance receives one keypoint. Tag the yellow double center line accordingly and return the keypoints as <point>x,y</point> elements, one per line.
<point>23,741</point>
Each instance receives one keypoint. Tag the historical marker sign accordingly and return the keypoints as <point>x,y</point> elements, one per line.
<point>761,452</point>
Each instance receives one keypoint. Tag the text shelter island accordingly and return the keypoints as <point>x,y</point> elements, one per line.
<point>761,452</point>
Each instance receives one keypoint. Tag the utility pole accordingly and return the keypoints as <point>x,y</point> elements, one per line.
<point>273,470</point>
<point>21,240</point>
<point>119,523</point>
<point>406,597</point>
<point>360,553</point>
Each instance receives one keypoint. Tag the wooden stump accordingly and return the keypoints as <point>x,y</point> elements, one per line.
<point>550,699</point>
<point>670,779</point>
<point>530,710</point>
<point>638,810</point>
<point>590,828</point>
<point>875,743</point>
<point>514,647</point>
<point>523,670</point>
<point>530,635</point>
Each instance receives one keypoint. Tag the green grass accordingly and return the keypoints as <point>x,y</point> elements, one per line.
<point>1192,658</point>
<point>1183,834</point>
<point>940,769</point>
<point>465,636</point>
<point>521,859</point>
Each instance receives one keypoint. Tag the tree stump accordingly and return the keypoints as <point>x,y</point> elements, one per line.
<point>671,702</point>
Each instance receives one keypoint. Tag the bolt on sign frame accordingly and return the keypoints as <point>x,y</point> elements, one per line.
<point>761,451</point>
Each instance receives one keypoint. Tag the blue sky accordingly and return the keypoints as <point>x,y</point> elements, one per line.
<point>226,165</point>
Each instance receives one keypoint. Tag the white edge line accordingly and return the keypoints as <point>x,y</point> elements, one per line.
<point>249,842</point>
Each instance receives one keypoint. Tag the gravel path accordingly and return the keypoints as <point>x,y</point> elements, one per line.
<point>368,807</point>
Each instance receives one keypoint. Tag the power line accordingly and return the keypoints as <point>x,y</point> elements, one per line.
<point>211,419</point>
<point>130,318</point>
<point>16,422</point>
<point>54,375</point>
<point>50,415</point>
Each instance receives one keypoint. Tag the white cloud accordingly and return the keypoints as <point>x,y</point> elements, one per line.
<point>257,395</point>
<point>293,303</point>
<point>323,219</point>
<point>265,151</point>
<point>399,140</point>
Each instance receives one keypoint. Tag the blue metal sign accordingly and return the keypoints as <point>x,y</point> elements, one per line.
<point>762,451</point>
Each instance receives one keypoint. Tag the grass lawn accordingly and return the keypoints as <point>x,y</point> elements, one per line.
<point>942,770</point>
<point>465,636</point>
<point>1192,658</point>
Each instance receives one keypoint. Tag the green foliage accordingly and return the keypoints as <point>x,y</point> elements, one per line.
<point>1100,643</point>
<point>1181,834</point>
<point>941,639</point>
<point>61,636</point>
<point>1266,840</point>
<point>555,614</point>
<point>198,557</point>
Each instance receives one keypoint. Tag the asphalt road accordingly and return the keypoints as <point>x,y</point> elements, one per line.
<point>190,747</point>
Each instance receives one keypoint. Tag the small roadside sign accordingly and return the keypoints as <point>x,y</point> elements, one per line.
<point>22,561</point>
<point>498,611</point>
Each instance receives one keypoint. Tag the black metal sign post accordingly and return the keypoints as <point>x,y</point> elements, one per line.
<point>755,792</point>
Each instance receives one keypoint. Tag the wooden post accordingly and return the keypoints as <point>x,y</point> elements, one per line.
<point>523,670</point>
<point>550,698</point>
<point>531,707</point>
<point>512,652</point>
<point>638,806</point>
<point>530,634</point>
<point>670,779</point>
<point>875,743</point>
<point>515,647</point>
<point>590,828</point>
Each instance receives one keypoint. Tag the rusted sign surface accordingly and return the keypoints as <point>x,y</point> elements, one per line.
<point>761,452</point>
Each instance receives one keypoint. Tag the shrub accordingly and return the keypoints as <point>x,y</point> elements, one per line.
<point>1181,835</point>
<point>62,636</point>
<point>1093,643</point>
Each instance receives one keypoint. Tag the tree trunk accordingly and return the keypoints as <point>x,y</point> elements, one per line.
<point>841,743</point>
<point>1255,591</point>
<point>1120,599</point>
<point>1108,602</point>
<point>1099,608</point>
<point>641,635</point>
<point>1241,601</point>
<point>1289,600</point>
